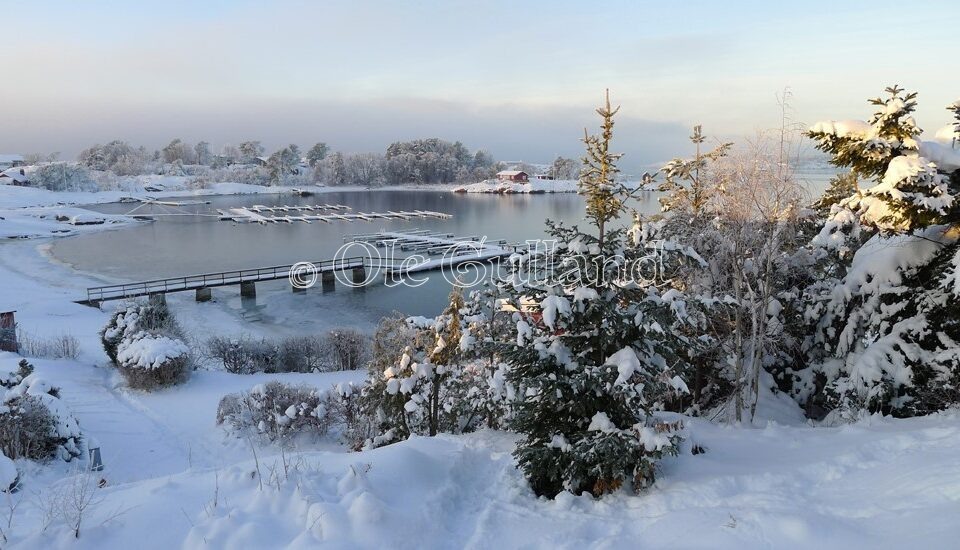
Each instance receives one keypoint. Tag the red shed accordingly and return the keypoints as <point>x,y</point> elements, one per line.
<point>515,176</point>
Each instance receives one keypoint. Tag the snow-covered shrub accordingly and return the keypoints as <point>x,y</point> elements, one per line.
<point>244,354</point>
<point>427,377</point>
<point>248,355</point>
<point>348,408</point>
<point>136,317</point>
<point>36,424</point>
<point>347,349</point>
<point>148,361</point>
<point>302,354</point>
<point>61,346</point>
<point>62,176</point>
<point>276,411</point>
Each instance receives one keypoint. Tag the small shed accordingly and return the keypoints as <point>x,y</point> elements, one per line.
<point>515,176</point>
<point>8,332</point>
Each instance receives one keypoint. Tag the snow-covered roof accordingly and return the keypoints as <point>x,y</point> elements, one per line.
<point>15,175</point>
<point>510,172</point>
<point>6,158</point>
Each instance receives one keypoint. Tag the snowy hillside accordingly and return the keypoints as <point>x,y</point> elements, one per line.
<point>880,482</point>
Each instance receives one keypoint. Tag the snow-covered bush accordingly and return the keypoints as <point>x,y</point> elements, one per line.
<point>61,346</point>
<point>426,376</point>
<point>244,354</point>
<point>36,424</point>
<point>148,361</point>
<point>348,408</point>
<point>347,349</point>
<point>62,176</point>
<point>276,411</point>
<point>248,355</point>
<point>136,317</point>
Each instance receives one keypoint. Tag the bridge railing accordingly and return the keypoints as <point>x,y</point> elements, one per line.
<point>223,278</point>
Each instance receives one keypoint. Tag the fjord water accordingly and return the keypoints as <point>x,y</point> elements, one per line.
<point>186,245</point>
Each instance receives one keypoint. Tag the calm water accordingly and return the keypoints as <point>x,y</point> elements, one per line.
<point>189,245</point>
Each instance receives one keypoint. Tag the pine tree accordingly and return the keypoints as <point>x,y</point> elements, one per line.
<point>685,182</point>
<point>606,198</point>
<point>909,191</point>
<point>594,353</point>
<point>887,323</point>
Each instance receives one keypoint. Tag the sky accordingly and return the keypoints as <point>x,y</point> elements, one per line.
<point>518,78</point>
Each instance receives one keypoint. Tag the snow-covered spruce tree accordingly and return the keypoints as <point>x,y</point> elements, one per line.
<point>689,205</point>
<point>886,333</point>
<point>594,351</point>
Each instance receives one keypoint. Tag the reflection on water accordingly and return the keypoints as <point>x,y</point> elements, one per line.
<point>190,245</point>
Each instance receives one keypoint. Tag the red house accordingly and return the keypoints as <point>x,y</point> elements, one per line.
<point>514,176</point>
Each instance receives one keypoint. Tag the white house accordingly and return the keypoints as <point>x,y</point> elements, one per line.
<point>10,161</point>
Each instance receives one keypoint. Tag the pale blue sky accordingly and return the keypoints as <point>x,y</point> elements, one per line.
<point>518,78</point>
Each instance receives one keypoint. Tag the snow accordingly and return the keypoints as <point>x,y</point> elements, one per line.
<point>880,483</point>
<point>8,473</point>
<point>627,364</point>
<point>843,128</point>
<point>601,423</point>
<point>948,134</point>
<point>945,157</point>
<point>551,306</point>
<point>147,351</point>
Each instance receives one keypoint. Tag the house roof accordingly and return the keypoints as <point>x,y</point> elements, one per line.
<point>6,158</point>
<point>511,173</point>
<point>15,175</point>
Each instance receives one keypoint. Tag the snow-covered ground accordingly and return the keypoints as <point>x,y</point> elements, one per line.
<point>880,483</point>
